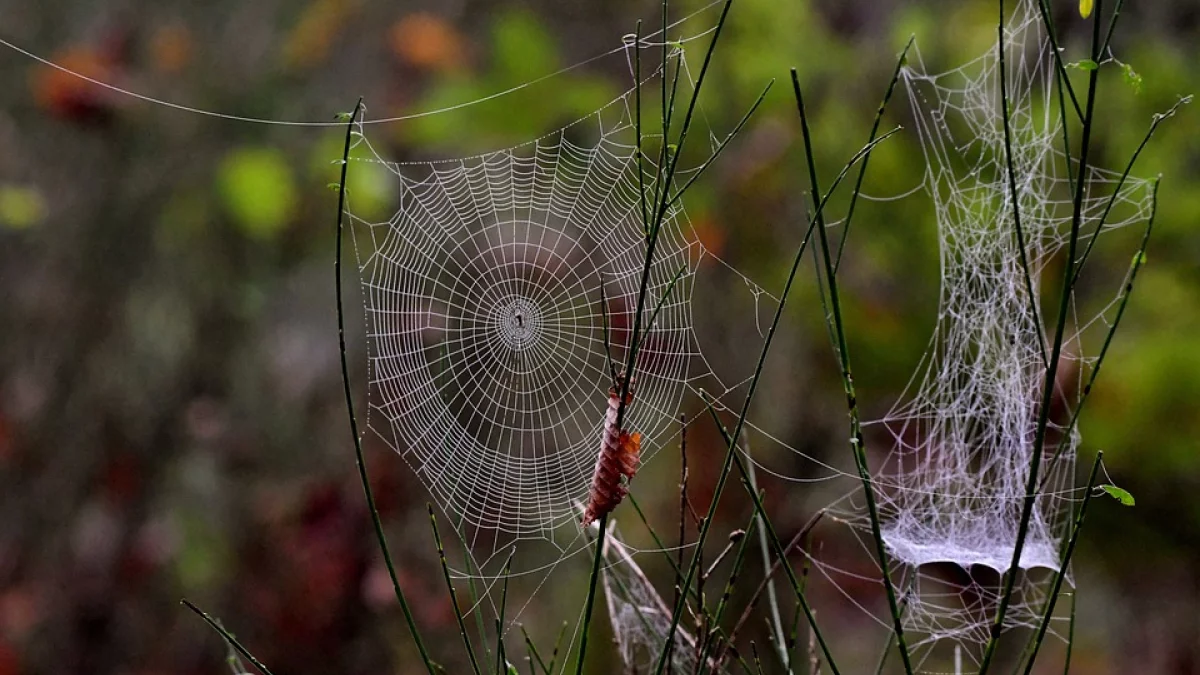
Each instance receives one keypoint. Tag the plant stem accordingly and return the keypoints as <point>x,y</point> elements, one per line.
<point>462,626</point>
<point>1158,118</point>
<point>1039,444</point>
<point>227,636</point>
<point>358,449</point>
<point>772,598</point>
<point>1139,259</point>
<point>857,442</point>
<point>500,660</point>
<point>533,652</point>
<point>1013,196</point>
<point>1062,569</point>
<point>731,455</point>
<point>769,573</point>
<point>862,170</point>
<point>591,596</point>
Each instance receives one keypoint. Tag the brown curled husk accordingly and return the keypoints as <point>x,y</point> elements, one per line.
<point>619,457</point>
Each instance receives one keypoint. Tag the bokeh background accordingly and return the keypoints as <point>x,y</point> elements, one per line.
<point>171,420</point>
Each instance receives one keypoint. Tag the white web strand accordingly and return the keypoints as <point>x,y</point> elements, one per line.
<point>952,487</point>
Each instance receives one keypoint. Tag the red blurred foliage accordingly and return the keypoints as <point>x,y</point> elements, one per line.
<point>428,42</point>
<point>74,99</point>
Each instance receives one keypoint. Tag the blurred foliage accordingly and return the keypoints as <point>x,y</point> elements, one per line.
<point>257,190</point>
<point>170,414</point>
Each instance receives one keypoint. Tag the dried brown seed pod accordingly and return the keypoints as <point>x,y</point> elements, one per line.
<point>616,464</point>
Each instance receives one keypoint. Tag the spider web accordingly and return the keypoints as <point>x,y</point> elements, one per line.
<point>494,297</point>
<point>489,294</point>
<point>951,487</point>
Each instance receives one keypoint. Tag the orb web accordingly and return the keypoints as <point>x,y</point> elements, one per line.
<point>494,296</point>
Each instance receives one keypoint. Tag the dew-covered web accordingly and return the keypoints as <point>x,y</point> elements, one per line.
<point>489,290</point>
<point>952,484</point>
<point>488,294</point>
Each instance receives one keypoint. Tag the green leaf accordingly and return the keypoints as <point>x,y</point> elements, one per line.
<point>343,117</point>
<point>1086,64</point>
<point>369,182</point>
<point>1085,8</point>
<point>1118,494</point>
<point>1132,78</point>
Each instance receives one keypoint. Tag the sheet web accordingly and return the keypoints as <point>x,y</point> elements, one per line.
<point>951,487</point>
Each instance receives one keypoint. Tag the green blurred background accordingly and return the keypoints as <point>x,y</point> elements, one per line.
<point>171,421</point>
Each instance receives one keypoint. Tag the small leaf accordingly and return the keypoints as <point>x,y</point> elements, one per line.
<point>1085,8</point>
<point>343,117</point>
<point>1132,78</point>
<point>334,186</point>
<point>1118,494</point>
<point>1086,64</point>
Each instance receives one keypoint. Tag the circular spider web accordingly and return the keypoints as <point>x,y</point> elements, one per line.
<point>494,296</point>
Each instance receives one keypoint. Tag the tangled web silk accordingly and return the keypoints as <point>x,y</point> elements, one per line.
<point>952,487</point>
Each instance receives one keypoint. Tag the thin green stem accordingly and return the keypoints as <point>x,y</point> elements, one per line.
<point>637,120</point>
<point>1013,197</point>
<point>735,570</point>
<point>731,442</point>
<point>1039,444</point>
<point>857,442</point>
<point>677,564</point>
<point>1158,118</point>
<point>500,660</point>
<point>1059,67</point>
<point>534,656</point>
<point>661,301</point>
<point>1070,638</point>
<point>772,598</point>
<point>1112,26</point>
<point>612,365</point>
<point>462,626</point>
<point>591,596</point>
<point>376,521</point>
<point>862,169</point>
<point>731,448</point>
<point>1139,259</point>
<point>1062,569</point>
<point>793,635</point>
<point>780,562</point>
<point>660,211</point>
<point>227,636</point>
<point>721,145</point>
<point>557,645</point>
<point>780,551</point>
